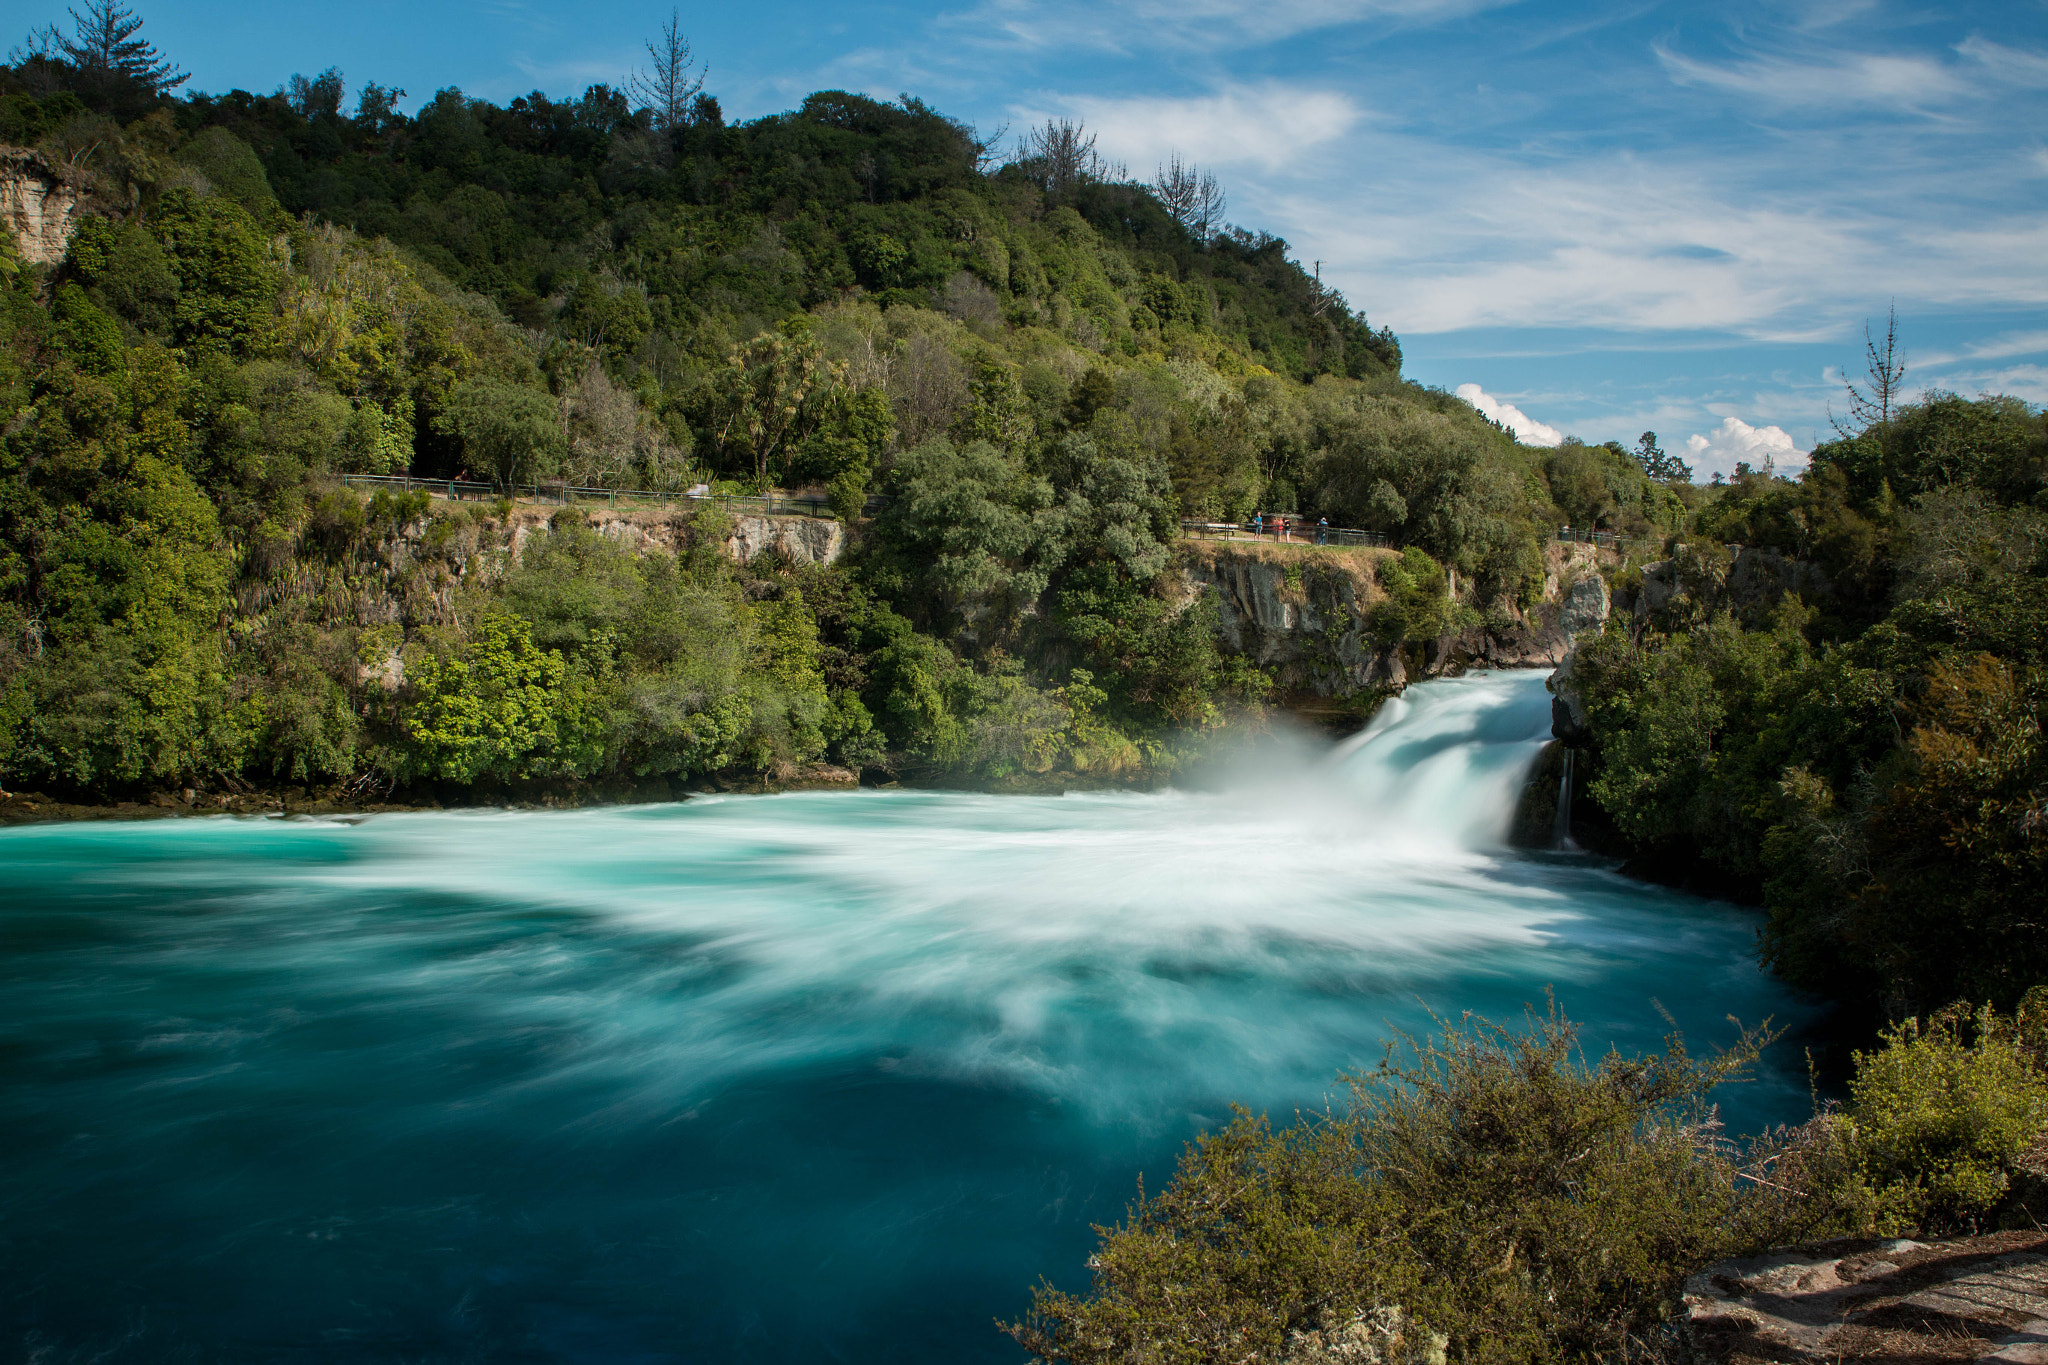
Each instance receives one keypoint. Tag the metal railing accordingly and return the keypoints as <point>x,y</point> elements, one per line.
<point>771,503</point>
<point>1296,533</point>
<point>1611,540</point>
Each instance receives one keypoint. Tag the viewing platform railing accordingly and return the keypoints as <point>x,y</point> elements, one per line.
<point>771,503</point>
<point>1296,533</point>
<point>1610,540</point>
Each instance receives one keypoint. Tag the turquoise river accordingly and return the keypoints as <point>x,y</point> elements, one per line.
<point>809,1077</point>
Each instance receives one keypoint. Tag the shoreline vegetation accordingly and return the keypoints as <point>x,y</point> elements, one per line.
<point>1821,694</point>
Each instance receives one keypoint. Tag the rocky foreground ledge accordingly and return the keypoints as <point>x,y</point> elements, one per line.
<point>1972,1298</point>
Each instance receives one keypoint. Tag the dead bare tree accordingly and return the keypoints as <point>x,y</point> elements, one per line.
<point>1191,196</point>
<point>672,81</point>
<point>1205,219</point>
<point>1873,403</point>
<point>1320,295</point>
<point>1061,157</point>
<point>1175,188</point>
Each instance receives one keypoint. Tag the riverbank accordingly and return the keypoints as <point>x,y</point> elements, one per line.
<point>1334,717</point>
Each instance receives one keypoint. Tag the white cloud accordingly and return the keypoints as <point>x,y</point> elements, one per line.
<point>1861,78</point>
<point>2015,65</point>
<point>1527,429</point>
<point>1137,26</point>
<point>1267,126</point>
<point>1440,239</point>
<point>2028,382</point>
<point>1737,441</point>
<point>2000,347</point>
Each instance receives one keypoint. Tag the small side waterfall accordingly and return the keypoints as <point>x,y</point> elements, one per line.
<point>1561,834</point>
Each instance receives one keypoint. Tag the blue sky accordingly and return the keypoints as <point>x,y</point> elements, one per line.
<point>1607,217</point>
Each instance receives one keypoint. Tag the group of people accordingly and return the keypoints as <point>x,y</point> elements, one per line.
<point>1279,525</point>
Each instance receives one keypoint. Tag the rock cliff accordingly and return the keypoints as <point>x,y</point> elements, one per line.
<point>1304,614</point>
<point>40,204</point>
<point>1300,615</point>
<point>800,540</point>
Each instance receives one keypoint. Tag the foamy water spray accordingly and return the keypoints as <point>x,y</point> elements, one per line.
<point>1446,762</point>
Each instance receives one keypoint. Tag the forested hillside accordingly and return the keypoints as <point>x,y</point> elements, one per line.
<point>1830,698</point>
<point>1042,368</point>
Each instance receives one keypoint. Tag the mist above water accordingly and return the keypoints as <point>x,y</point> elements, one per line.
<point>752,1078</point>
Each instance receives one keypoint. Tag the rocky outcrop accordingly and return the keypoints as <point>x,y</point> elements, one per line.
<point>1302,614</point>
<point>1301,617</point>
<point>1585,606</point>
<point>1535,823</point>
<point>1742,579</point>
<point>1764,576</point>
<point>800,540</point>
<point>1972,1298</point>
<point>40,204</point>
<point>1568,720</point>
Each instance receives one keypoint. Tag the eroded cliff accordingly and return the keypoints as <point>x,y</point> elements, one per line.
<point>40,204</point>
<point>1306,615</point>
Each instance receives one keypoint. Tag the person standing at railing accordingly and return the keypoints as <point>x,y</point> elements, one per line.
<point>1258,525</point>
<point>1322,530</point>
<point>1279,529</point>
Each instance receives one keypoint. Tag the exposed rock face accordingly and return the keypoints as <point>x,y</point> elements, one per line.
<point>1535,824</point>
<point>1585,606</point>
<point>39,203</point>
<point>1568,721</point>
<point>1764,576</point>
<point>1304,619</point>
<point>1973,1298</point>
<point>801,540</point>
<point>1742,579</point>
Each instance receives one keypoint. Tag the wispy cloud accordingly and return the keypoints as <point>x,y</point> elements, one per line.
<point>2011,65</point>
<point>1269,126</point>
<point>1997,347</point>
<point>1130,26</point>
<point>2029,382</point>
<point>1442,239</point>
<point>1890,81</point>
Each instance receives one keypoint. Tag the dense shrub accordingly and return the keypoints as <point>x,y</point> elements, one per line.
<point>1941,1111</point>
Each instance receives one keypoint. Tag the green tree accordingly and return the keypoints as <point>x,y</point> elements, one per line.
<point>772,393</point>
<point>227,283</point>
<point>512,431</point>
<point>494,709</point>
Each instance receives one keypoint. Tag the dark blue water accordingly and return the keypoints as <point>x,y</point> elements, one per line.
<point>796,1078</point>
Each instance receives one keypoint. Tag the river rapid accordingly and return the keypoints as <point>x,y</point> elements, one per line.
<point>827,1076</point>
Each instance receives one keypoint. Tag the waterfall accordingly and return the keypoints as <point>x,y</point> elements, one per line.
<point>1562,832</point>
<point>1445,762</point>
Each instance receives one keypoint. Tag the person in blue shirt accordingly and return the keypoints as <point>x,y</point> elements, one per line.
<point>1322,530</point>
